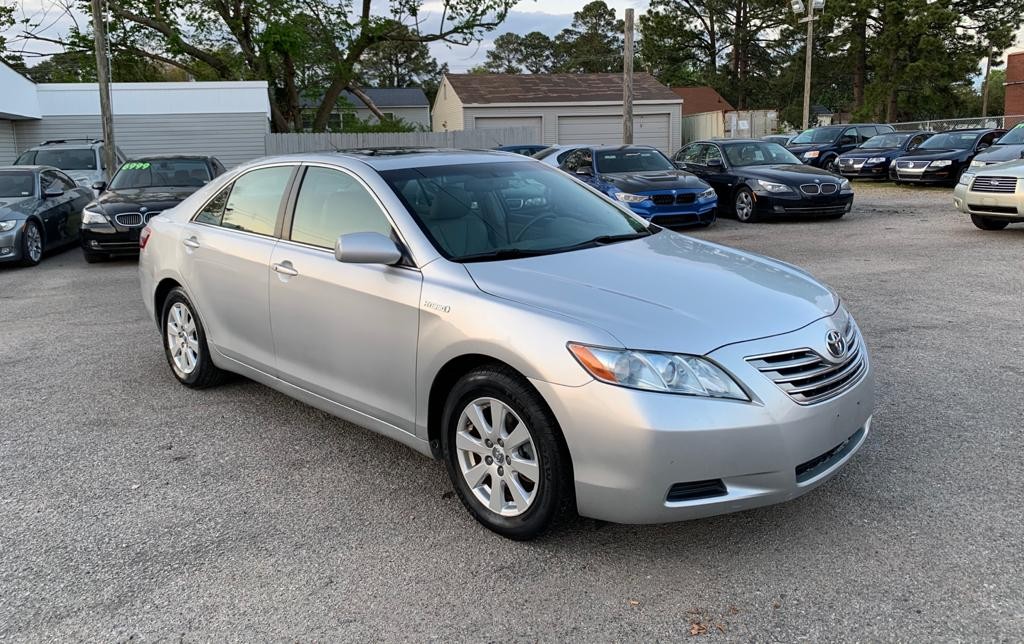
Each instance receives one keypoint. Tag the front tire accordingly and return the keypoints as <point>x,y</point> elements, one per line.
<point>31,244</point>
<point>505,454</point>
<point>185,344</point>
<point>743,205</point>
<point>987,223</point>
<point>831,164</point>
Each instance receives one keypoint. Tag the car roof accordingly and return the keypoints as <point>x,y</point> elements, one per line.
<point>67,143</point>
<point>399,158</point>
<point>161,157</point>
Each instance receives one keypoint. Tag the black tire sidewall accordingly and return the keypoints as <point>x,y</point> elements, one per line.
<point>203,363</point>
<point>554,493</point>
<point>986,223</point>
<point>26,259</point>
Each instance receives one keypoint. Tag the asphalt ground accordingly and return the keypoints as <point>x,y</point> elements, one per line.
<point>134,508</point>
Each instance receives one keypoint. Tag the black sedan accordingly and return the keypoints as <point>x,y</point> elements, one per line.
<point>140,190</point>
<point>757,179</point>
<point>871,159</point>
<point>40,209</point>
<point>944,157</point>
<point>1009,147</point>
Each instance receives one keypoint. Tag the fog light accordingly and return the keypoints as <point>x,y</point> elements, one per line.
<point>94,243</point>
<point>6,250</point>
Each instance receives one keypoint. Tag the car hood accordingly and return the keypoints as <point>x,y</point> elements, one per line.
<point>931,155</point>
<point>653,181</point>
<point>999,153</point>
<point>129,200</point>
<point>16,207</point>
<point>786,172</point>
<point>665,292</point>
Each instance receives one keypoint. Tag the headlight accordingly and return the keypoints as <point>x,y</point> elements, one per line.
<point>707,194</point>
<point>94,217</point>
<point>941,163</point>
<point>771,186</point>
<point>811,154</point>
<point>652,371</point>
<point>8,225</point>
<point>978,164</point>
<point>966,178</point>
<point>630,198</point>
<point>844,186</point>
<point>876,160</point>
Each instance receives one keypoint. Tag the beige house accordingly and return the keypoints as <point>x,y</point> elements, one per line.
<point>562,108</point>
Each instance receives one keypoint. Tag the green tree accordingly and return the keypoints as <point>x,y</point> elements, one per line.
<point>404,62</point>
<point>592,44</point>
<point>506,56</point>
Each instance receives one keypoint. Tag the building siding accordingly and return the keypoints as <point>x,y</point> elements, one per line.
<point>8,143</point>
<point>549,116</point>
<point>447,115</point>
<point>416,115</point>
<point>232,138</point>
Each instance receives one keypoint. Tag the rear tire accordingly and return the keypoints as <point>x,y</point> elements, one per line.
<point>743,205</point>
<point>31,244</point>
<point>523,459</point>
<point>987,223</point>
<point>185,346</point>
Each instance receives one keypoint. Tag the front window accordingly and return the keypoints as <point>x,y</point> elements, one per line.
<point>631,160</point>
<point>950,141</point>
<point>17,184</point>
<point>758,153</point>
<point>332,204</point>
<point>67,158</point>
<point>885,141</point>
<point>1013,137</point>
<point>161,173</point>
<point>484,211</point>
<point>817,135</point>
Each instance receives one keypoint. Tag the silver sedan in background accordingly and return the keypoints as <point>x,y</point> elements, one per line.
<point>557,352</point>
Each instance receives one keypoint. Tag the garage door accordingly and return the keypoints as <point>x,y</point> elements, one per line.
<point>648,129</point>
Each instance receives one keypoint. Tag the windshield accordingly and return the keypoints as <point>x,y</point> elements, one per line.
<point>817,135</point>
<point>885,141</point>
<point>950,141</point>
<point>1013,137</point>
<point>67,158</point>
<point>161,172</point>
<point>631,160</point>
<point>758,153</point>
<point>501,210</point>
<point>17,184</point>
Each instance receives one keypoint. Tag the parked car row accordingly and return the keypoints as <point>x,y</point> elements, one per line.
<point>44,207</point>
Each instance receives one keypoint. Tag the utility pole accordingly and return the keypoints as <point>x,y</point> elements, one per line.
<point>984,85</point>
<point>99,30</point>
<point>627,81</point>
<point>798,7</point>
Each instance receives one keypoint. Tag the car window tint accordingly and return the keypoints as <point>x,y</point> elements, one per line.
<point>255,200</point>
<point>331,204</point>
<point>67,158</point>
<point>712,153</point>
<point>21,183</point>
<point>693,154</point>
<point>49,181</point>
<point>213,211</point>
<point>27,158</point>
<point>65,181</point>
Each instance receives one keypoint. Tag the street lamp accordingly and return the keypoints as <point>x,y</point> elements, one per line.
<point>798,8</point>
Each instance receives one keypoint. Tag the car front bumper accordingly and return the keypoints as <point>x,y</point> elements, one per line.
<point>944,175</point>
<point>10,243</point>
<point>112,239</point>
<point>697,212</point>
<point>630,447</point>
<point>859,169</point>
<point>1008,206</point>
<point>798,204</point>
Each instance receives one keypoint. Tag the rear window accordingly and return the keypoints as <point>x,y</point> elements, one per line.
<point>67,158</point>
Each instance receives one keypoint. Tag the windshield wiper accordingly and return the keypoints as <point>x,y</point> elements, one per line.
<point>502,253</point>
<point>608,239</point>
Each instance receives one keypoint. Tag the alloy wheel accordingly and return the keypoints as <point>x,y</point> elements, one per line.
<point>33,242</point>
<point>182,338</point>
<point>744,205</point>
<point>497,457</point>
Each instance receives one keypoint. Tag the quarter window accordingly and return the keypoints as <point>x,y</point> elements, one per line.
<point>213,211</point>
<point>331,204</point>
<point>255,199</point>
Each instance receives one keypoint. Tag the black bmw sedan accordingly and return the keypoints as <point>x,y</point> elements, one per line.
<point>871,159</point>
<point>944,157</point>
<point>40,209</point>
<point>140,190</point>
<point>757,179</point>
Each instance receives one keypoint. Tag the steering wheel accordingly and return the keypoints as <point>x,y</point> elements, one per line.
<point>533,221</point>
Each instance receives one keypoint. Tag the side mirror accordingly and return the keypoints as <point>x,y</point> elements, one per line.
<point>99,186</point>
<point>366,248</point>
<point>982,146</point>
<point>682,165</point>
<point>715,164</point>
<point>52,193</point>
<point>585,170</point>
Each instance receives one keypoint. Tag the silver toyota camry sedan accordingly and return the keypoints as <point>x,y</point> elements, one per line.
<point>558,353</point>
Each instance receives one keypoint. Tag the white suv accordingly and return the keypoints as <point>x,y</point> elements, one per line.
<point>81,159</point>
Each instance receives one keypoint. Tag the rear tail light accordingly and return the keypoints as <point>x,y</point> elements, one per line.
<point>144,237</point>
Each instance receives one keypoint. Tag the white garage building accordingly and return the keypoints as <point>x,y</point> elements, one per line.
<point>563,108</point>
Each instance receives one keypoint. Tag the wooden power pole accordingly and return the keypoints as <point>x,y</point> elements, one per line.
<point>627,81</point>
<point>99,30</point>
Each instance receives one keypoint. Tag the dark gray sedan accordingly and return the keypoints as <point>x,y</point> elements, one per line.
<point>40,209</point>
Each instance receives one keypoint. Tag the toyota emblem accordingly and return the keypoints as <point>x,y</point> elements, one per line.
<point>836,343</point>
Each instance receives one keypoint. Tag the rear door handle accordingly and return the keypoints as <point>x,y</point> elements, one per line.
<point>191,242</point>
<point>285,268</point>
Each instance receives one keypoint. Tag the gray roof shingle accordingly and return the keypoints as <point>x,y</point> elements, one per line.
<point>477,89</point>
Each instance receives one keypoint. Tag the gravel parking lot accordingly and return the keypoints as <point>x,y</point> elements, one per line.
<point>132,507</point>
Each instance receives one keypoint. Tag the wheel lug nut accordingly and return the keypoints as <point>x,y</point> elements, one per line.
<point>489,460</point>
<point>501,442</point>
<point>488,443</point>
<point>501,471</point>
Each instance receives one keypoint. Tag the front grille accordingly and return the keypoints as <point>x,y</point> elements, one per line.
<point>696,490</point>
<point>912,165</point>
<point>129,219</point>
<point>678,220</point>
<point>819,188</point>
<point>855,163</point>
<point>1006,185</point>
<point>150,215</point>
<point>823,462</point>
<point>807,377</point>
<point>686,197</point>
<point>663,200</point>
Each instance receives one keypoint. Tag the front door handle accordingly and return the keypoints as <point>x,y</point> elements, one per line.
<point>191,242</point>
<point>285,268</point>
